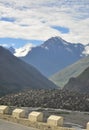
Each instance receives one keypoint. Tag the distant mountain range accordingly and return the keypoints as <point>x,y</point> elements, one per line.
<point>80,83</point>
<point>53,55</point>
<point>17,75</point>
<point>63,76</point>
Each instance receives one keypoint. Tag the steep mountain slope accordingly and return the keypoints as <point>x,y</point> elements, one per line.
<point>54,55</point>
<point>63,76</point>
<point>11,49</point>
<point>16,75</point>
<point>79,84</point>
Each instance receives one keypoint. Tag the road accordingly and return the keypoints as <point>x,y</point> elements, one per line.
<point>5,125</point>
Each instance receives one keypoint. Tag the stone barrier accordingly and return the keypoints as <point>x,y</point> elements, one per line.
<point>4,109</point>
<point>36,116</point>
<point>18,113</point>
<point>55,120</point>
<point>35,119</point>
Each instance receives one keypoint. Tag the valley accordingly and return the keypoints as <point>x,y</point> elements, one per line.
<point>44,64</point>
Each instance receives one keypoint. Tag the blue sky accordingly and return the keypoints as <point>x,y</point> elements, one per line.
<point>27,21</point>
<point>17,43</point>
<point>63,30</point>
<point>6,19</point>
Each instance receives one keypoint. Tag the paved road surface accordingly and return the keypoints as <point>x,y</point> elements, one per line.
<point>5,125</point>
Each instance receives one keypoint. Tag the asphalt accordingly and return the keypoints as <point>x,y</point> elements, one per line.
<point>5,125</point>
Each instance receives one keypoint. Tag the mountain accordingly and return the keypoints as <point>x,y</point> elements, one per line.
<point>80,83</point>
<point>11,49</point>
<point>62,77</point>
<point>16,75</point>
<point>53,55</point>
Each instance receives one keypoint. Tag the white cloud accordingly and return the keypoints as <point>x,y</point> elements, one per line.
<point>23,51</point>
<point>4,45</point>
<point>34,19</point>
<point>7,45</point>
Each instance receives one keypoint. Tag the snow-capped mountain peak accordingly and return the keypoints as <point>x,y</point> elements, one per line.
<point>53,55</point>
<point>23,51</point>
<point>54,42</point>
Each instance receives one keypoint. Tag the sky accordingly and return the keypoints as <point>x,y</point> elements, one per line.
<point>34,21</point>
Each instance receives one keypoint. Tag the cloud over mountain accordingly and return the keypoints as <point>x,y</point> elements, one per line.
<point>36,20</point>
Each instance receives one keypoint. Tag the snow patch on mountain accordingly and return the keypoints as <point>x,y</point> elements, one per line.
<point>65,43</point>
<point>23,51</point>
<point>86,50</point>
<point>68,49</point>
<point>44,47</point>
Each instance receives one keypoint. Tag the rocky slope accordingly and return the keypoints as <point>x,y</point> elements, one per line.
<point>80,83</point>
<point>52,98</point>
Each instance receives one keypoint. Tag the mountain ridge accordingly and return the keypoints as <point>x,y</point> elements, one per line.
<point>62,77</point>
<point>80,83</point>
<point>53,55</point>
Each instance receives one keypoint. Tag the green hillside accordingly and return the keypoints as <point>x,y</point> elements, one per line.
<point>62,77</point>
